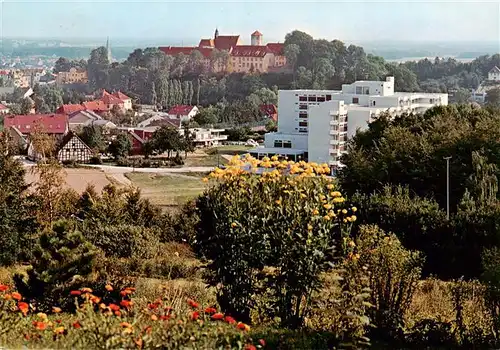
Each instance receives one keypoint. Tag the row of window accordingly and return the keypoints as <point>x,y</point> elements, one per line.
<point>315,98</point>
<point>250,64</point>
<point>339,128</point>
<point>282,144</point>
<point>340,148</point>
<point>340,138</point>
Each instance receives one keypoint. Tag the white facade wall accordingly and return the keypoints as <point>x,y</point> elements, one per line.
<point>321,121</point>
<point>495,76</point>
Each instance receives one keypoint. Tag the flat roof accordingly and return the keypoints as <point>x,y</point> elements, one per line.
<point>276,150</point>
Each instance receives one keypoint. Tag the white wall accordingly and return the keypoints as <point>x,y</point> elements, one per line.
<point>299,141</point>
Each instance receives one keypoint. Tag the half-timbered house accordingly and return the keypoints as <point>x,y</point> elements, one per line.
<point>72,148</point>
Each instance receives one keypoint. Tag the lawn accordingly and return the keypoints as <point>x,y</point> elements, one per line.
<point>168,191</point>
<point>229,149</point>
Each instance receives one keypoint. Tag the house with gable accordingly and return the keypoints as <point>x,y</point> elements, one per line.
<point>72,148</point>
<point>494,74</point>
<point>183,112</point>
<point>4,109</point>
<point>83,118</point>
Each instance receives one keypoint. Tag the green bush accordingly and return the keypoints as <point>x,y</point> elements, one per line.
<point>394,273</point>
<point>292,224</point>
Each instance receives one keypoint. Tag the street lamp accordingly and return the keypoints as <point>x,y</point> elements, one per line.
<point>447,187</point>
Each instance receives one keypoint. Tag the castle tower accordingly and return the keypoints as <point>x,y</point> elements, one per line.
<point>216,35</point>
<point>256,38</point>
<point>108,50</point>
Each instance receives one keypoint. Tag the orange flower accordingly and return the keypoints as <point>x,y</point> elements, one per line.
<point>16,296</point>
<point>242,326</point>
<point>230,320</point>
<point>75,293</point>
<point>250,347</point>
<point>23,307</point>
<point>210,310</point>
<point>139,342</point>
<point>77,325</point>
<point>153,306</point>
<point>95,299</point>
<point>165,317</point>
<point>217,316</point>
<point>154,318</point>
<point>109,288</point>
<point>148,329</point>
<point>126,303</point>
<point>131,289</point>
<point>195,315</point>
<point>7,296</point>
<point>193,303</point>
<point>125,292</point>
<point>56,309</point>
<point>262,342</point>
<point>125,325</point>
<point>118,313</point>
<point>114,307</point>
<point>41,326</point>
<point>86,290</point>
<point>3,288</point>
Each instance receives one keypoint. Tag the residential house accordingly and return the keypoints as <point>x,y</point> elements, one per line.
<point>157,116</point>
<point>70,109</point>
<point>269,111</point>
<point>494,74</point>
<point>250,59</point>
<point>72,148</point>
<point>83,118</point>
<point>183,112</point>
<point>73,76</point>
<point>206,137</point>
<point>4,109</point>
<point>127,101</point>
<point>96,106</point>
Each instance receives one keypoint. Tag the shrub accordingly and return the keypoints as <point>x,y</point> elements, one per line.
<point>394,274</point>
<point>95,160</point>
<point>63,260</point>
<point>289,219</point>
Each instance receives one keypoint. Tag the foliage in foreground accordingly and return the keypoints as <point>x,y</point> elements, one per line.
<point>99,325</point>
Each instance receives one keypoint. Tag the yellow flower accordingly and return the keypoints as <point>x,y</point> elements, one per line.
<point>338,200</point>
<point>234,224</point>
<point>336,194</point>
<point>42,315</point>
<point>352,244</point>
<point>205,179</point>
<point>278,202</point>
<point>303,195</point>
<point>344,211</point>
<point>327,206</point>
<point>56,309</point>
<point>309,227</point>
<point>354,209</point>
<point>330,186</point>
<point>59,330</point>
<point>326,217</point>
<point>353,218</point>
<point>315,212</point>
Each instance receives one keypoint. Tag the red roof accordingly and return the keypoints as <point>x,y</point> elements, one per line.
<point>250,51</point>
<point>226,42</point>
<point>206,42</point>
<point>276,48</point>
<point>173,51</point>
<point>121,96</point>
<point>2,107</point>
<point>268,109</point>
<point>51,123</point>
<point>256,33</point>
<point>96,106</point>
<point>68,109</point>
<point>109,99</point>
<point>4,72</point>
<point>180,110</point>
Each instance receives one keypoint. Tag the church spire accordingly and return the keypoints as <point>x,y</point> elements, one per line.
<point>216,35</point>
<point>108,50</point>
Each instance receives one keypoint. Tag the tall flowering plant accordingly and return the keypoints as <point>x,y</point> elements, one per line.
<point>271,226</point>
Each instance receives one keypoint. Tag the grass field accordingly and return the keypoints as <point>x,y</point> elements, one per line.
<point>168,191</point>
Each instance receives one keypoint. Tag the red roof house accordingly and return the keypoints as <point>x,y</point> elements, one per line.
<point>269,111</point>
<point>56,124</point>
<point>226,42</point>
<point>110,99</point>
<point>96,106</point>
<point>276,48</point>
<point>250,51</point>
<point>3,109</point>
<point>182,112</point>
<point>70,109</point>
<point>121,96</point>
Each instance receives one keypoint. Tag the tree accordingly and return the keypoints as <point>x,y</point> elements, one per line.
<point>121,146</point>
<point>62,261</point>
<point>207,116</point>
<point>17,223</point>
<point>166,139</point>
<point>26,105</point>
<point>93,137</point>
<point>187,140</point>
<point>62,65</point>
<point>462,95</point>
<point>493,97</point>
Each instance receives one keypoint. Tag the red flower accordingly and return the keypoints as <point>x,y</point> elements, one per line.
<point>77,325</point>
<point>23,307</point>
<point>210,310</point>
<point>195,315</point>
<point>126,304</point>
<point>230,320</point>
<point>3,288</point>
<point>193,303</point>
<point>262,342</point>
<point>86,290</point>
<point>17,296</point>
<point>250,347</point>
<point>153,306</point>
<point>242,326</point>
<point>217,316</point>
<point>114,307</point>
<point>118,313</point>
<point>75,293</point>
<point>165,317</point>
<point>109,288</point>
<point>41,326</point>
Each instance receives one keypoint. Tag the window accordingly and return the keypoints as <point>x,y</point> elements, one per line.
<point>321,99</point>
<point>335,127</point>
<point>359,90</point>
<point>302,130</point>
<point>312,99</point>
<point>355,100</point>
<point>303,115</point>
<point>278,143</point>
<point>302,98</point>
<point>302,123</point>
<point>335,137</point>
<point>302,106</point>
<point>287,144</point>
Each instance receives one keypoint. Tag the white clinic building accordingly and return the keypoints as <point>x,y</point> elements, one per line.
<point>316,124</point>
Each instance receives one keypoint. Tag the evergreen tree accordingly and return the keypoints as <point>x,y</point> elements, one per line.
<point>154,97</point>
<point>198,87</point>
<point>62,261</point>
<point>191,92</point>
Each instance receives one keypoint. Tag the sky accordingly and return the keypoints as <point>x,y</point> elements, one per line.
<point>187,21</point>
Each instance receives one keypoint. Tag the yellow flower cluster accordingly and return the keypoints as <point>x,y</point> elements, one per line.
<point>273,168</point>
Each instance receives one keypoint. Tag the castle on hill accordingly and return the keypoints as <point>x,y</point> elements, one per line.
<point>225,53</point>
